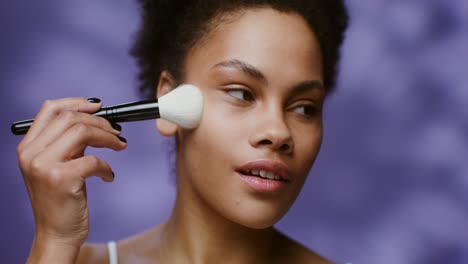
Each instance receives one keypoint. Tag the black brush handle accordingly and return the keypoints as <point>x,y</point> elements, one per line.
<point>135,111</point>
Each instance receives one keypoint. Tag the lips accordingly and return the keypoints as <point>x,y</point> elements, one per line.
<point>266,169</point>
<point>265,175</point>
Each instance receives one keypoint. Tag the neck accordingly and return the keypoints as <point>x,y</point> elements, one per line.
<point>195,233</point>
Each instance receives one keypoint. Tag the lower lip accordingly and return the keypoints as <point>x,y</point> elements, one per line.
<point>263,185</point>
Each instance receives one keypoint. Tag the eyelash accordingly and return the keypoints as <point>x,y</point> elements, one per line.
<point>241,90</point>
<point>313,110</point>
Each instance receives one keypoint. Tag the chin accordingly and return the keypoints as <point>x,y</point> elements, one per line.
<point>256,217</point>
<point>259,223</point>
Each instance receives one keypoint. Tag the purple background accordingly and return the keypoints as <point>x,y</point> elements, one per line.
<point>390,185</point>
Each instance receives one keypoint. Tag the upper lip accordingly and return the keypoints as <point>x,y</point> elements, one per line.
<point>276,167</point>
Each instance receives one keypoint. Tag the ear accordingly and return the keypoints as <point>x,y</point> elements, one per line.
<point>165,85</point>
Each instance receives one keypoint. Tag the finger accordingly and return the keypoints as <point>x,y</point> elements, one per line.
<point>74,141</point>
<point>63,122</point>
<point>70,177</point>
<point>51,108</point>
<point>88,166</point>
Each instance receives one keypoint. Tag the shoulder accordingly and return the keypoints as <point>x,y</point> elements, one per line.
<point>140,248</point>
<point>294,252</point>
<point>93,253</point>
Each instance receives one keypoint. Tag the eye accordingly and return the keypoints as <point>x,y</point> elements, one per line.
<point>308,110</point>
<point>241,94</point>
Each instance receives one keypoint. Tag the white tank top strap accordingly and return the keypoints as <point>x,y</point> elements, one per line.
<point>112,249</point>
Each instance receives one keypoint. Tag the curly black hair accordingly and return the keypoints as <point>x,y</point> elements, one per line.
<point>171,28</point>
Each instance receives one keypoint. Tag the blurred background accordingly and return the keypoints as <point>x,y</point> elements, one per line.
<point>390,185</point>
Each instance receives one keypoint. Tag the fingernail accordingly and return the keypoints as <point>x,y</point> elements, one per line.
<point>124,140</point>
<point>116,126</point>
<point>113,175</point>
<point>94,100</point>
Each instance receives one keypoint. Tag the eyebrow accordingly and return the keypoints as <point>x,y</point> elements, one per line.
<point>305,86</point>
<point>244,67</point>
<point>255,73</point>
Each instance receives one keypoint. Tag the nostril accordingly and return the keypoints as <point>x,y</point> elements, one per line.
<point>265,142</point>
<point>284,147</point>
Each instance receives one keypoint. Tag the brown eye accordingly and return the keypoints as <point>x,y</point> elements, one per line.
<point>307,111</point>
<point>241,94</point>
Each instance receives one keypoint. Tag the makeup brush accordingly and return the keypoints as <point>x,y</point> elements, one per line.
<point>182,106</point>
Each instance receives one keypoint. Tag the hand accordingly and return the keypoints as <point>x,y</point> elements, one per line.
<point>54,167</point>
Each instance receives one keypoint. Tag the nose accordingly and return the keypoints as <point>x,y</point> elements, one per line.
<point>271,131</point>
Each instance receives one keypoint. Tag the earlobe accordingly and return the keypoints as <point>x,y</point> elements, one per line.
<point>166,84</point>
<point>166,128</point>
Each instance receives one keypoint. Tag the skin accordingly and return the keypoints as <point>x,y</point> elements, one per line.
<point>260,75</point>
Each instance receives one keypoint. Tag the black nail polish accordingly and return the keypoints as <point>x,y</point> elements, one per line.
<point>122,139</point>
<point>113,175</point>
<point>94,100</point>
<point>116,126</point>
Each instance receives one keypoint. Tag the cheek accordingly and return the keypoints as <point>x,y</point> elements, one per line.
<point>215,121</point>
<point>208,153</point>
<point>307,149</point>
<point>212,142</point>
<point>219,122</point>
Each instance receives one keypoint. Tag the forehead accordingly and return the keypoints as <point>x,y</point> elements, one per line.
<point>263,37</point>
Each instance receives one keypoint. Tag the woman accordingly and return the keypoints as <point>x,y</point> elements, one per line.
<point>264,68</point>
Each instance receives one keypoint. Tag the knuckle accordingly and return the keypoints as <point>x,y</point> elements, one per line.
<point>37,165</point>
<point>67,116</point>
<point>48,105</point>
<point>54,177</point>
<point>20,148</point>
<point>37,169</point>
<point>94,161</point>
<point>80,129</point>
<point>20,151</point>
<point>104,122</point>
<point>23,158</point>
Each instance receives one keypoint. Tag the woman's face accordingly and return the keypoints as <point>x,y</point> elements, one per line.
<point>261,78</point>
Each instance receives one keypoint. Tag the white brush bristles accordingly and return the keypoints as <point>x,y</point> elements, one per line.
<point>183,106</point>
